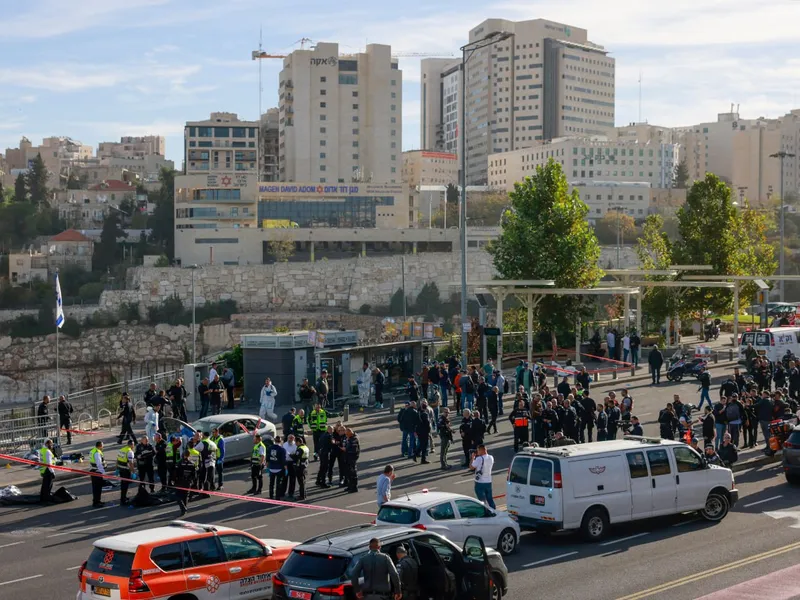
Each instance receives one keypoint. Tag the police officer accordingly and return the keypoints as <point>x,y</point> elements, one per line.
<point>208,454</point>
<point>98,465</point>
<point>520,419</point>
<point>125,466</point>
<point>197,461</point>
<point>381,581</point>
<point>186,479</point>
<point>145,453</point>
<point>48,459</point>
<point>257,460</point>
<point>325,447</point>
<point>161,446</point>
<point>173,452</point>
<point>298,422</point>
<point>301,467</point>
<point>352,451</point>
<point>220,442</point>
<point>277,469</point>
<point>318,421</point>
<point>408,571</point>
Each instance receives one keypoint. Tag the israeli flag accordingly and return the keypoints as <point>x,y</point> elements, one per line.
<point>59,305</point>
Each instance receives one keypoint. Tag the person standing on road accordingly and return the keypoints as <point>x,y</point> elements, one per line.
<point>208,454</point>
<point>219,463</point>
<point>735,414</point>
<point>482,464</point>
<point>705,387</point>
<point>323,388</point>
<point>186,480</point>
<point>611,342</point>
<point>98,466</point>
<point>266,403</point>
<point>325,446</point>
<point>216,389</point>
<point>409,419</point>
<point>667,422</point>
<point>352,454</point>
<point>588,418</point>
<point>384,491</point>
<point>173,458</point>
<point>65,411</point>
<point>364,383</point>
<point>290,446</point>
<point>177,398</point>
<point>708,426</point>
<point>765,409</point>
<point>258,458</point>
<point>423,434</point>
<point>520,420</point>
<point>287,421</point>
<point>728,452</point>
<point>150,422</point>
<point>445,437</point>
<point>277,470</point>
<point>656,360</point>
<point>318,422</point>
<point>584,379</point>
<point>601,423</point>
<point>636,426</point>
<point>636,343</point>
<point>125,466</point>
<point>614,417</point>
<point>381,581</point>
<point>465,431</point>
<point>720,420</point>
<point>43,414</point>
<point>300,460</point>
<point>204,394</point>
<point>229,381</point>
<point>408,571</point>
<point>144,454</point>
<point>47,460</point>
<point>380,381</point>
<point>160,446</point>
<point>626,347</point>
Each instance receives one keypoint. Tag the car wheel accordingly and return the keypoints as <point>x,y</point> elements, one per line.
<point>507,542</point>
<point>497,591</point>
<point>595,525</point>
<point>716,508</point>
<point>792,478</point>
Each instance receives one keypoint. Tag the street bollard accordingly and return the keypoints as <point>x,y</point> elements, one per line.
<point>716,357</point>
<point>596,376</point>
<point>391,404</point>
<point>346,412</point>
<point>614,374</point>
<point>633,371</point>
<point>730,353</point>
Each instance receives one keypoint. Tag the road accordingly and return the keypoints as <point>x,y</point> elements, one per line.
<point>678,558</point>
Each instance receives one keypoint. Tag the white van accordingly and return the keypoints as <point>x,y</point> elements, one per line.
<point>590,486</point>
<point>772,343</point>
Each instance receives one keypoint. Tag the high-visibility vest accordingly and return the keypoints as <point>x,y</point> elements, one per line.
<point>209,449</point>
<point>93,457</point>
<point>122,457</point>
<point>194,457</point>
<point>45,457</point>
<point>216,441</point>
<point>318,420</point>
<point>297,422</point>
<point>520,421</point>
<point>305,453</point>
<point>170,451</point>
<point>256,456</point>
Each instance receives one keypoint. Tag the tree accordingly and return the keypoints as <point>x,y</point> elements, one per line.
<point>654,250</point>
<point>20,189</point>
<point>757,255</point>
<point>37,182</point>
<point>546,235</point>
<point>396,303</point>
<point>163,222</point>
<point>680,178</point>
<point>452,195</point>
<point>282,247</point>
<point>428,301</point>
<point>107,250</point>
<point>615,226</point>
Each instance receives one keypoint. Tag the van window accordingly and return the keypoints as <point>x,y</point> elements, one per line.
<point>687,460</point>
<point>519,470</point>
<point>763,339</point>
<point>541,473</point>
<point>169,557</point>
<point>637,465</point>
<point>659,462</point>
<point>748,338</point>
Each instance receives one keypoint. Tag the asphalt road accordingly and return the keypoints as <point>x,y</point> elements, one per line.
<point>677,558</point>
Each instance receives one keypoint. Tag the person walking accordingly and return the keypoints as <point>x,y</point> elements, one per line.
<point>423,435</point>
<point>277,469</point>
<point>318,422</point>
<point>408,571</point>
<point>626,347</point>
<point>186,480</point>
<point>384,489</point>
<point>465,431</point>
<point>150,422</point>
<point>145,454</point>
<point>208,454</point>
<point>98,469</point>
<point>43,416</point>
<point>65,411</point>
<point>445,437</point>
<point>48,474</point>
<point>482,464</point>
<point>378,573</point>
<point>300,460</point>
<point>656,360</point>
<point>611,342</point>
<point>705,387</point>
<point>258,458</point>
<point>204,393</point>
<point>636,343</point>
<point>125,468</point>
<point>380,381</point>
<point>128,417</point>
<point>160,445</point>
<point>219,464</point>
<point>290,446</point>
<point>364,383</point>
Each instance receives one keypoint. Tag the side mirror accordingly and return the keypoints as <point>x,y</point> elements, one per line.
<point>267,551</point>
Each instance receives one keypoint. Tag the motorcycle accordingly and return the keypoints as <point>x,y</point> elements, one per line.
<point>712,330</point>
<point>686,366</point>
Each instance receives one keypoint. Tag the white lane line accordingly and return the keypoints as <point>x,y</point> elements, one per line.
<point>20,579</point>
<point>625,539</point>
<point>81,530</point>
<point>551,559</point>
<point>643,414</point>
<point>94,510</point>
<point>689,522</point>
<point>762,501</point>
<point>256,527</point>
<point>11,544</point>
<point>319,514</point>
<point>163,512</point>
<point>362,504</point>
<point>73,568</point>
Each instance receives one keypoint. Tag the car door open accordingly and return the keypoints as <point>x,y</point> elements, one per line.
<point>477,574</point>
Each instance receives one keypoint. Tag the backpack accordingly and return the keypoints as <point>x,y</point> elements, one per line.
<point>732,412</point>
<point>468,386</point>
<point>505,386</point>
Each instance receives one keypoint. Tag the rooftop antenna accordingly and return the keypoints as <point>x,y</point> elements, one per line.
<point>260,87</point>
<point>640,95</point>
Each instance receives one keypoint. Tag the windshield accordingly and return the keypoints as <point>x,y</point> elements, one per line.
<point>308,565</point>
<point>204,426</point>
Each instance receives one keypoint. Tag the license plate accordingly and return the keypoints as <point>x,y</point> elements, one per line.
<point>538,500</point>
<point>102,591</point>
<point>300,595</point>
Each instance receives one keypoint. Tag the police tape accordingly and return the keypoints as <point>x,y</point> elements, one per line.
<point>225,495</point>
<point>83,432</point>
<point>611,360</point>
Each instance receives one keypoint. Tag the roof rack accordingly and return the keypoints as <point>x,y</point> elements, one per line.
<point>326,536</point>
<point>643,439</point>
<point>560,450</point>
<point>190,525</point>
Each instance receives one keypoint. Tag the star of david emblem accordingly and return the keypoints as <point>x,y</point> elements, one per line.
<point>212,584</point>
<point>226,180</point>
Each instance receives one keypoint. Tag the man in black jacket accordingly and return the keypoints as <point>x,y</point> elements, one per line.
<point>43,414</point>
<point>656,360</point>
<point>128,417</point>
<point>352,452</point>
<point>65,417</point>
<point>325,445</point>
<point>145,454</point>
<point>177,399</point>
<point>520,420</point>
<point>708,426</point>
<point>584,379</point>
<point>465,431</point>
<point>408,426</point>
<point>730,386</point>
<point>794,380</point>
<point>423,433</point>
<point>477,430</point>
<point>564,388</point>
<point>587,418</point>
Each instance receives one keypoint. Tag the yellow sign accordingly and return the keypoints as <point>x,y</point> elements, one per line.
<point>417,329</point>
<point>278,224</point>
<point>406,328</point>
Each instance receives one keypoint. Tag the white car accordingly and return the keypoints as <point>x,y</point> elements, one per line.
<point>454,516</point>
<point>237,429</point>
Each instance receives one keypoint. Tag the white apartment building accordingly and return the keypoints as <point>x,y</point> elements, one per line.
<point>130,147</point>
<point>221,145</point>
<point>340,115</point>
<point>586,160</point>
<point>645,132</point>
<point>269,139</point>
<point>426,168</point>
<point>440,89</point>
<point>546,81</point>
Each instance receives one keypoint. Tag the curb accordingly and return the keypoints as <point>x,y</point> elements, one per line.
<point>645,376</point>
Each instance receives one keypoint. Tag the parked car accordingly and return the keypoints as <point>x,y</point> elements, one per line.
<point>237,429</point>
<point>589,487</point>
<point>791,457</point>
<point>181,560</point>
<point>320,568</point>
<point>454,516</point>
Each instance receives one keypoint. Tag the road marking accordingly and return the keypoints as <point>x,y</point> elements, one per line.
<point>786,514</point>
<point>551,559</point>
<point>163,512</point>
<point>361,504</point>
<point>81,530</point>
<point>94,510</point>
<point>762,501</point>
<point>778,585</point>
<point>11,544</point>
<point>689,522</point>
<point>319,514</point>
<point>21,579</point>
<point>710,573</point>
<point>74,568</point>
<point>625,539</point>
<point>256,527</point>
<point>644,414</point>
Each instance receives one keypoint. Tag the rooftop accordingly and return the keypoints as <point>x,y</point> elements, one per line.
<point>130,542</point>
<point>70,235</point>
<point>112,185</point>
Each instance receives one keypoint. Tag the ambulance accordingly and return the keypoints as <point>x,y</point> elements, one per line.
<point>772,343</point>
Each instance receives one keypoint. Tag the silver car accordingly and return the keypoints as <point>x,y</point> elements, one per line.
<point>237,429</point>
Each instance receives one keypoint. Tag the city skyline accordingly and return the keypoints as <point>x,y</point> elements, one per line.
<point>107,69</point>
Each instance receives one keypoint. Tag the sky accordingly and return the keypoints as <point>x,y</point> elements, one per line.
<point>95,70</point>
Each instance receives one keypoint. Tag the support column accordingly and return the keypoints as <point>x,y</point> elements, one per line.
<point>414,248</point>
<point>627,313</point>
<point>311,250</point>
<point>668,336</point>
<point>639,300</point>
<point>363,249</point>
<point>578,341</point>
<point>735,313</point>
<point>500,298</point>
<point>530,330</point>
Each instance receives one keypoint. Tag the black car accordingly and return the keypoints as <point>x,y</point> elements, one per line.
<point>791,457</point>
<point>320,568</point>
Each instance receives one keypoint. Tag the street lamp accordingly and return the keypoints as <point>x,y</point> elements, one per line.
<point>466,53</point>
<point>192,268</point>
<point>618,210</point>
<point>781,156</point>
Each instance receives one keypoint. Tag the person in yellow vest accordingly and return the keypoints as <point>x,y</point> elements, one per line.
<point>48,459</point>
<point>174,456</point>
<point>220,442</point>
<point>318,421</point>
<point>208,454</point>
<point>197,461</point>
<point>258,459</point>
<point>300,467</point>
<point>126,466</point>
<point>98,469</point>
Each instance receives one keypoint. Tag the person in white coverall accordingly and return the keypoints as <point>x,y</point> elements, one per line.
<point>150,423</point>
<point>268,396</point>
<point>364,383</point>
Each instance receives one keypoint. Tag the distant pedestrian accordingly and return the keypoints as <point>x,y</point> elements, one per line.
<point>445,437</point>
<point>150,422</point>
<point>611,342</point>
<point>186,480</point>
<point>482,464</point>
<point>705,387</point>
<point>656,360</point>
<point>384,492</point>
<point>43,414</point>
<point>47,460</point>
<point>98,469</point>
<point>205,397</point>
<point>229,381</point>
<point>65,411</point>
<point>216,389</point>
<point>267,401</point>
<point>378,574</point>
<point>380,381</point>
<point>408,571</point>
<point>626,347</point>
<point>145,454</point>
<point>352,454</point>
<point>636,343</point>
<point>128,417</point>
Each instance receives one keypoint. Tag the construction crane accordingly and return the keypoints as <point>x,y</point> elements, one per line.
<point>258,54</point>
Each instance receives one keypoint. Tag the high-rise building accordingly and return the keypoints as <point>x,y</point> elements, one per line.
<point>341,115</point>
<point>546,81</point>
<point>133,147</point>
<point>221,144</point>
<point>269,137</point>
<point>436,96</point>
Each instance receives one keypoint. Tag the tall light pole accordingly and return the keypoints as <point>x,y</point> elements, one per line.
<point>781,156</point>
<point>466,52</point>
<point>193,268</point>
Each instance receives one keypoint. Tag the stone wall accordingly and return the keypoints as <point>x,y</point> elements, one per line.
<point>78,312</point>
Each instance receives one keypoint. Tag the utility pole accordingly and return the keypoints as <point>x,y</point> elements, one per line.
<point>781,156</point>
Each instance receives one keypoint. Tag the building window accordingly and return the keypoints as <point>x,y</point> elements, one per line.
<point>394,107</point>
<point>394,170</point>
<point>355,144</point>
<point>394,81</point>
<point>394,94</point>
<point>239,132</point>
<point>322,117</point>
<point>221,132</point>
<point>323,105</point>
<point>355,156</point>
<point>205,132</point>
<point>393,157</point>
<point>355,131</point>
<point>355,119</point>
<point>322,167</point>
<point>323,92</point>
<point>394,132</point>
<point>323,143</point>
<point>355,106</point>
<point>348,65</point>
<point>348,79</point>
<point>355,94</point>
<point>323,129</point>
<point>394,119</point>
<point>323,79</point>
<point>322,155</point>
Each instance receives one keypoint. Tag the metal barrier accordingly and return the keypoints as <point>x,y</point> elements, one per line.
<point>26,434</point>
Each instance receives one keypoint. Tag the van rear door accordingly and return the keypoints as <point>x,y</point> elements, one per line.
<point>534,493</point>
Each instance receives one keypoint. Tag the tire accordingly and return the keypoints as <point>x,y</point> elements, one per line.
<point>677,376</point>
<point>497,591</point>
<point>507,542</point>
<point>594,526</point>
<point>792,478</point>
<point>716,508</point>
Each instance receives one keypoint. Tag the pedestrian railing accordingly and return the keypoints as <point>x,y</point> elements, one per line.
<point>26,434</point>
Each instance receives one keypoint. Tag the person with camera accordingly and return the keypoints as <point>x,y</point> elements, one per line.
<point>482,463</point>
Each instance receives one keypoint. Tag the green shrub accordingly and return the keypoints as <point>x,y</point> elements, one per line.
<point>129,311</point>
<point>102,319</point>
<point>28,326</point>
<point>71,328</point>
<point>90,292</point>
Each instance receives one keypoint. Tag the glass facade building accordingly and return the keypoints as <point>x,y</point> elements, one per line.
<point>353,211</point>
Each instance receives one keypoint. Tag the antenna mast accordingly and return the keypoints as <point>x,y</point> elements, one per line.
<point>260,87</point>
<point>640,95</point>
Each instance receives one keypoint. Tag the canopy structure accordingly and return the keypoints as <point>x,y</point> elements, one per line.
<point>625,277</point>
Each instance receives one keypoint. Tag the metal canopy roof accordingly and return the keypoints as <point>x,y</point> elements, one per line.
<point>511,282</point>
<point>684,284</point>
<point>743,277</point>
<point>692,267</point>
<point>656,272</point>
